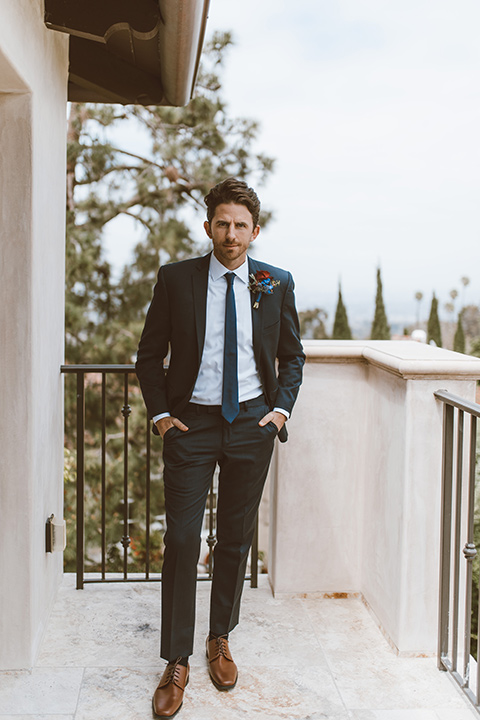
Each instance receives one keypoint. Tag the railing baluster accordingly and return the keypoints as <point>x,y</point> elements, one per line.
<point>104,474</point>
<point>147,500</point>
<point>458,527</point>
<point>469,550</point>
<point>254,557</point>
<point>126,410</point>
<point>211,539</point>
<point>80,478</point>
<point>446,530</point>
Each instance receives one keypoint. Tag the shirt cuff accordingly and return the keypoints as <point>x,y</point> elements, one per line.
<point>159,417</point>
<point>281,410</point>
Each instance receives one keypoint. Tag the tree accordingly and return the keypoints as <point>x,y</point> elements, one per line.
<point>475,350</point>
<point>418,298</point>
<point>433,328</point>
<point>341,328</point>
<point>184,151</point>
<point>459,339</point>
<point>471,321</point>
<point>465,282</point>
<point>380,328</point>
<point>312,324</point>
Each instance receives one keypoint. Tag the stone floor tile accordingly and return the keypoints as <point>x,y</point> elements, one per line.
<point>345,623</point>
<point>117,693</point>
<point>104,625</point>
<point>271,632</point>
<point>466,713</point>
<point>37,717</point>
<point>261,693</point>
<point>43,691</point>
<point>395,682</point>
<point>420,714</point>
<point>410,714</point>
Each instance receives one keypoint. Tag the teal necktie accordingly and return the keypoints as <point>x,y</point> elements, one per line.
<point>230,405</point>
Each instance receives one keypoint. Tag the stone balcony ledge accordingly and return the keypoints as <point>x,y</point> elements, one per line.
<point>299,659</point>
<point>407,359</point>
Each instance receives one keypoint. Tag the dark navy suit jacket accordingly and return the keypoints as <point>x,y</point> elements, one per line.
<point>175,323</point>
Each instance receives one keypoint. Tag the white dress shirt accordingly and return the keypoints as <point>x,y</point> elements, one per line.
<point>208,386</point>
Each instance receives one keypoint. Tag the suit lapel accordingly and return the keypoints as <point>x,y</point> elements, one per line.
<point>257,316</point>
<point>200,288</point>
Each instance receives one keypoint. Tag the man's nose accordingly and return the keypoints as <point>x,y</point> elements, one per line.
<point>231,231</point>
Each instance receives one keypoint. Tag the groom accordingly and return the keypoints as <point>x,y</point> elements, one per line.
<point>235,366</point>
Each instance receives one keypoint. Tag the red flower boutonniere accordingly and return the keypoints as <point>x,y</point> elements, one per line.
<point>261,282</point>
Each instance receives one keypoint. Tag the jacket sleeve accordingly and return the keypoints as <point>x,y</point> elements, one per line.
<point>153,348</point>
<point>290,355</point>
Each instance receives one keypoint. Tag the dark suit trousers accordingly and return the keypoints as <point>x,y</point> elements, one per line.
<point>243,451</point>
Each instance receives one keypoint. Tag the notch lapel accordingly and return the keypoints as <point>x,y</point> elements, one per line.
<point>200,288</point>
<point>257,316</point>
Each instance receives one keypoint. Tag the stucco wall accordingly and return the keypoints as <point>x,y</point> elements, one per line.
<point>33,81</point>
<point>356,491</point>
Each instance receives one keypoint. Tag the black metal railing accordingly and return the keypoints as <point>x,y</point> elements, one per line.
<point>459,619</point>
<point>99,475</point>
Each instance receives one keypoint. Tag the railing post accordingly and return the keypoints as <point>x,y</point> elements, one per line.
<point>147,499</point>
<point>80,478</point>
<point>469,550</point>
<point>104,474</point>
<point>456,538</point>
<point>126,410</point>
<point>211,539</point>
<point>446,532</point>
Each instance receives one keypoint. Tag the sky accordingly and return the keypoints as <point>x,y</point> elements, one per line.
<point>371,109</point>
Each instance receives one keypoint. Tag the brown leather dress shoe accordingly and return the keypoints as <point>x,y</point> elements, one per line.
<point>168,697</point>
<point>222,669</point>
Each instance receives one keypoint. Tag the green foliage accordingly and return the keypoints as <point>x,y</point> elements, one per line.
<point>433,328</point>
<point>161,187</point>
<point>459,339</point>
<point>341,328</point>
<point>380,328</point>
<point>312,324</point>
<point>475,348</point>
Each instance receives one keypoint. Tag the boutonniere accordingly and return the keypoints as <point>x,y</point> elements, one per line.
<point>261,282</point>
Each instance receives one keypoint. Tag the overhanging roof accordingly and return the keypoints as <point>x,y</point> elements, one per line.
<point>144,52</point>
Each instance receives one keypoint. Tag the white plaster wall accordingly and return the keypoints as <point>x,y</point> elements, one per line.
<point>317,486</point>
<point>33,81</point>
<point>356,491</point>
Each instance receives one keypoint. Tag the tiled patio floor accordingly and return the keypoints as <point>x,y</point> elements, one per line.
<point>299,659</point>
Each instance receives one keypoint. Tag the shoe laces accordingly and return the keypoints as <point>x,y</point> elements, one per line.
<point>222,646</point>
<point>173,672</point>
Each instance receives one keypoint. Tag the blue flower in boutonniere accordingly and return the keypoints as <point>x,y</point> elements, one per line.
<point>261,282</point>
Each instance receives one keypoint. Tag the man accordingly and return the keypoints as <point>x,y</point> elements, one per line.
<point>233,375</point>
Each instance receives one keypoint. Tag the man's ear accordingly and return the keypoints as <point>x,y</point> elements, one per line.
<point>206,225</point>
<point>256,230</point>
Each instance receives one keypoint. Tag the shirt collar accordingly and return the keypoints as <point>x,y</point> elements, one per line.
<point>217,270</point>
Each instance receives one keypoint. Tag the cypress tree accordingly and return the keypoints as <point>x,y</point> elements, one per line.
<point>459,339</point>
<point>341,328</point>
<point>433,328</point>
<point>380,327</point>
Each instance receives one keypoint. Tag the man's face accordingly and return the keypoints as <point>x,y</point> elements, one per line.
<point>231,232</point>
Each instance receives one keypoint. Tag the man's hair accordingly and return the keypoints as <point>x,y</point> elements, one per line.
<point>235,191</point>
